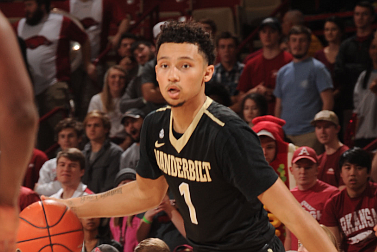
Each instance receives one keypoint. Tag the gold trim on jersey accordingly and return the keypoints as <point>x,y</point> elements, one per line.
<point>163,108</point>
<point>178,144</point>
<point>216,120</point>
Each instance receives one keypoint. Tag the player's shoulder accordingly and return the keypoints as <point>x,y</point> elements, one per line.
<point>221,115</point>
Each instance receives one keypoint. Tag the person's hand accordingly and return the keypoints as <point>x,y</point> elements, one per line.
<point>167,205</point>
<point>126,63</point>
<point>91,71</point>
<point>8,228</point>
<point>261,89</point>
<point>151,213</point>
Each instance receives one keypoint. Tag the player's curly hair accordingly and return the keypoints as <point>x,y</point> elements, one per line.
<point>189,32</point>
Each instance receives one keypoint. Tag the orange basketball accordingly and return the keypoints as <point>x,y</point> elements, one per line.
<point>49,226</point>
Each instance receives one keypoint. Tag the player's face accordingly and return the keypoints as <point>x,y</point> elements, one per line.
<point>90,224</point>
<point>362,17</point>
<point>95,130</point>
<point>269,37</point>
<point>269,148</point>
<point>68,172</point>
<point>125,47</point>
<point>143,54</point>
<point>332,32</point>
<point>133,127</point>
<point>181,72</point>
<point>298,45</point>
<point>326,131</point>
<point>355,177</point>
<point>116,81</point>
<point>227,50</point>
<point>250,110</point>
<point>33,12</point>
<point>67,138</point>
<point>305,172</point>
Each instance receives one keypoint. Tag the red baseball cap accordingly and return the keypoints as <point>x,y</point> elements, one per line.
<point>304,152</point>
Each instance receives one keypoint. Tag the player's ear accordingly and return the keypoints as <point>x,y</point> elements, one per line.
<point>208,73</point>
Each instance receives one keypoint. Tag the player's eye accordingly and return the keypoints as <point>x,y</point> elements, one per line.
<point>185,66</point>
<point>163,65</point>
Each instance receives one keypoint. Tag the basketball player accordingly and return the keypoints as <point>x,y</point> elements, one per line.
<point>210,159</point>
<point>18,125</point>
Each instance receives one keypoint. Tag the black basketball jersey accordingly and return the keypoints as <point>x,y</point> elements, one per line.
<point>215,170</point>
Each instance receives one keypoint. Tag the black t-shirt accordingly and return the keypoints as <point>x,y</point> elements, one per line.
<point>215,170</point>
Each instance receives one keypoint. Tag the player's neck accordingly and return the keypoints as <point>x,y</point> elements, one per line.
<point>333,146</point>
<point>184,115</point>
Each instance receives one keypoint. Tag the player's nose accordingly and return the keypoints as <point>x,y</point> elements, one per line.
<point>173,74</point>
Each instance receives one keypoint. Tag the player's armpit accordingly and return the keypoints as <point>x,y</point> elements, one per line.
<point>279,200</point>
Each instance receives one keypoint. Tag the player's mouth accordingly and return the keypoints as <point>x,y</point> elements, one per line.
<point>173,92</point>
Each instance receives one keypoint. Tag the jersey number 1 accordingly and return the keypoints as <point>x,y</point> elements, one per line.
<point>185,191</point>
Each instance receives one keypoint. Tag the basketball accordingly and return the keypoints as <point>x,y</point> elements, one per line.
<point>49,226</point>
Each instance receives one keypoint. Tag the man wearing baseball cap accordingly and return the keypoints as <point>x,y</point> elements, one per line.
<point>259,75</point>
<point>327,127</point>
<point>132,121</point>
<point>310,192</point>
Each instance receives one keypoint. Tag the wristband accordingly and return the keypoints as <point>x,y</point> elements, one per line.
<point>146,221</point>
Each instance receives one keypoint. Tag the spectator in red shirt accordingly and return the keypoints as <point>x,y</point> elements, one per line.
<point>351,214</point>
<point>32,172</point>
<point>259,74</point>
<point>327,127</point>
<point>310,192</point>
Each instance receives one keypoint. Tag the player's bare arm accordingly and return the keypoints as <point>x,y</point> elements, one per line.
<point>129,199</point>
<point>282,203</point>
<point>18,125</point>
